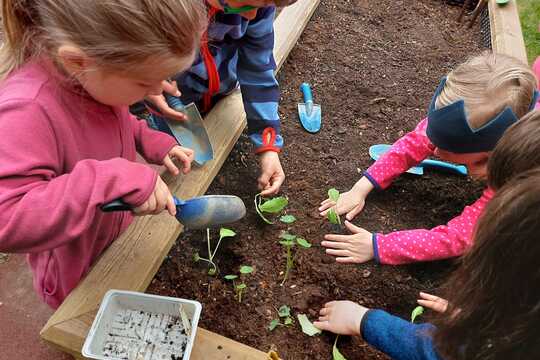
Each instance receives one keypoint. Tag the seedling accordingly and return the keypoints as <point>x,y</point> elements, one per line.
<point>239,288</point>
<point>223,233</point>
<point>289,241</point>
<point>272,206</point>
<point>284,313</point>
<point>336,355</point>
<point>332,215</point>
<point>307,326</point>
<point>287,219</point>
<point>419,310</point>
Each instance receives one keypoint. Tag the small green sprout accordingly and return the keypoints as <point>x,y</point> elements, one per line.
<point>419,310</point>
<point>332,215</point>
<point>307,326</point>
<point>284,314</point>
<point>239,288</point>
<point>272,206</point>
<point>289,241</point>
<point>223,233</point>
<point>287,219</point>
<point>336,354</point>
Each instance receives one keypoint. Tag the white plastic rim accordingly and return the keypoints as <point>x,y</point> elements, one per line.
<point>143,302</point>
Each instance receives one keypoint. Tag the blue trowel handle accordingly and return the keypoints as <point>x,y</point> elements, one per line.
<point>120,205</point>
<point>443,164</point>
<point>308,97</point>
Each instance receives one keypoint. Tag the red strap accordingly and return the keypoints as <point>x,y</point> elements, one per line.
<point>211,68</point>
<point>268,141</point>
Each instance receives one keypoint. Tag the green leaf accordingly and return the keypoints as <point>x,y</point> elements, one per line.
<point>287,242</point>
<point>287,219</point>
<point>288,321</point>
<point>212,271</point>
<point>231,277</point>
<point>246,269</point>
<point>274,205</point>
<point>286,236</point>
<point>333,217</point>
<point>196,257</point>
<point>419,310</point>
<point>257,202</point>
<point>333,194</point>
<point>307,327</point>
<point>303,243</point>
<point>284,311</point>
<point>273,324</point>
<point>241,286</point>
<point>336,355</point>
<point>224,232</point>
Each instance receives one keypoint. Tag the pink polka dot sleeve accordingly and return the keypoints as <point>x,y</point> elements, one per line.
<point>408,151</point>
<point>441,242</point>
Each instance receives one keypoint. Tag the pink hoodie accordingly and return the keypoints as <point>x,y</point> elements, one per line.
<point>62,155</point>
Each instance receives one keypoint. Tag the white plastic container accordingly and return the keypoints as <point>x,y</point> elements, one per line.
<point>118,302</point>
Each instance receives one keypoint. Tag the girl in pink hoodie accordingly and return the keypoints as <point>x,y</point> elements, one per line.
<point>469,112</point>
<point>69,71</point>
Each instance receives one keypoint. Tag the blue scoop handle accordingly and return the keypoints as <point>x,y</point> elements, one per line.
<point>174,102</point>
<point>443,164</point>
<point>120,205</point>
<point>306,90</point>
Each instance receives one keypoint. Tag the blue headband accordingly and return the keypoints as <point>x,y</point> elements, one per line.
<point>449,129</point>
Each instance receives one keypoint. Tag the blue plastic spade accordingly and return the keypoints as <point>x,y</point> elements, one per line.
<point>190,133</point>
<point>199,212</point>
<point>376,151</point>
<point>309,113</point>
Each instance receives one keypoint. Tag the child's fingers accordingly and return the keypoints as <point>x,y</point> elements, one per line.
<point>322,325</point>
<point>341,253</point>
<point>165,109</point>
<point>353,228</point>
<point>171,206</point>
<point>347,260</point>
<point>335,245</point>
<point>171,87</point>
<point>427,296</point>
<point>437,306</point>
<point>324,311</point>
<point>355,211</point>
<point>171,167</point>
<point>337,237</point>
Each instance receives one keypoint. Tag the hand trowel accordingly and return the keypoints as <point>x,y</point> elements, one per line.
<point>198,212</point>
<point>190,133</point>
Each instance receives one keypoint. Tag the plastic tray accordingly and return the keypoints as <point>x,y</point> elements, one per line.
<point>117,300</point>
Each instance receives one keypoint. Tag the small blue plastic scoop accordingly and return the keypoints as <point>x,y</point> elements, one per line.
<point>199,212</point>
<point>309,113</point>
<point>190,133</point>
<point>376,151</point>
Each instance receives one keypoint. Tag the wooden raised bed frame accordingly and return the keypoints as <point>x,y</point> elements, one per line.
<point>132,260</point>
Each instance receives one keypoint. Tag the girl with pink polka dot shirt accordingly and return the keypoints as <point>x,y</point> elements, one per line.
<point>468,114</point>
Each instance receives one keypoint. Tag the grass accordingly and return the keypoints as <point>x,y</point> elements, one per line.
<point>529,13</point>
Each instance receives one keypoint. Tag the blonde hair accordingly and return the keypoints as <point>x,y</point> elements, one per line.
<point>488,83</point>
<point>116,34</point>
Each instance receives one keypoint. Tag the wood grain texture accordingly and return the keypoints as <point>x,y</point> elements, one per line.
<point>132,260</point>
<point>506,35</point>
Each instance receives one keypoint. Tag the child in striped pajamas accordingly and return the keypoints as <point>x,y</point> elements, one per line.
<point>469,112</point>
<point>239,53</point>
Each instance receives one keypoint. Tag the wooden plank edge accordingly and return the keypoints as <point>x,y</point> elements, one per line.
<point>505,28</point>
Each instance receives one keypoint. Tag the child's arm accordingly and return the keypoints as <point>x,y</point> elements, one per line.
<point>390,334</point>
<point>441,242</point>
<point>405,153</point>
<point>258,84</point>
<point>43,207</point>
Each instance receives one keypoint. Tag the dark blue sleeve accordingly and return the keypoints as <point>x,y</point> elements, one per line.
<point>399,339</point>
<point>255,71</point>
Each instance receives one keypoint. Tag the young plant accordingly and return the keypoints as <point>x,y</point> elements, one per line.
<point>272,206</point>
<point>289,241</point>
<point>223,233</point>
<point>336,354</point>
<point>307,326</point>
<point>419,310</point>
<point>284,314</point>
<point>241,286</point>
<point>332,215</point>
<point>287,219</point>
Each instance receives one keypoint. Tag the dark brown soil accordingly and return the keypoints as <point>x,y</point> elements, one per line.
<point>373,66</point>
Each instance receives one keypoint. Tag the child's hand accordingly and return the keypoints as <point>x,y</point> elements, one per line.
<point>272,175</point>
<point>341,317</point>
<point>433,302</point>
<point>351,202</point>
<point>183,154</point>
<point>350,249</point>
<point>160,199</point>
<point>160,102</point>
